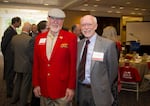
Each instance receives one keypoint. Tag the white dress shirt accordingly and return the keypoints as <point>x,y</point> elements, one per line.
<point>89,58</point>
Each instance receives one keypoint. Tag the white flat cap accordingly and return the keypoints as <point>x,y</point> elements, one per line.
<point>56,13</point>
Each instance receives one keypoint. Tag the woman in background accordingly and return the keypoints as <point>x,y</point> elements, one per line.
<point>111,33</point>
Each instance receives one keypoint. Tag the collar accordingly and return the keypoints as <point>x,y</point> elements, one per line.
<point>25,32</point>
<point>13,27</point>
<point>50,34</point>
<point>93,38</point>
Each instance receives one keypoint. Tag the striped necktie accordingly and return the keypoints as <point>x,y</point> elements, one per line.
<point>83,62</point>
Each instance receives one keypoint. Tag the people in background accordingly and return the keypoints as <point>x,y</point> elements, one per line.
<point>97,70</point>
<point>34,30</point>
<point>76,29</point>
<point>22,66</point>
<point>42,28</point>
<point>9,73</point>
<point>54,63</point>
<point>110,32</point>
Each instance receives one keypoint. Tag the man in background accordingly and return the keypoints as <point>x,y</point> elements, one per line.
<point>76,29</point>
<point>22,65</point>
<point>9,73</point>
<point>34,30</point>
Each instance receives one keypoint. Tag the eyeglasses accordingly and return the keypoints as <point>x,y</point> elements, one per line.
<point>87,24</point>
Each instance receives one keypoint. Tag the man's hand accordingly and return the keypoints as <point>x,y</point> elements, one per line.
<point>37,91</point>
<point>69,94</point>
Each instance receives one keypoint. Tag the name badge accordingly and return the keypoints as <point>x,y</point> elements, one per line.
<point>98,56</point>
<point>42,41</point>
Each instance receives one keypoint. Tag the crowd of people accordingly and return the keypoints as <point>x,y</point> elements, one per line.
<point>46,65</point>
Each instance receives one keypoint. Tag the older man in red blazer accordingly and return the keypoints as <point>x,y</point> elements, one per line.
<point>54,63</point>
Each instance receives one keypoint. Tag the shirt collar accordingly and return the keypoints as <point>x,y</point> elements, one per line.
<point>13,27</point>
<point>93,38</point>
<point>25,32</point>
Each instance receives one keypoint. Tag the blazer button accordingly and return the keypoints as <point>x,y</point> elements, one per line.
<point>48,65</point>
<point>48,74</point>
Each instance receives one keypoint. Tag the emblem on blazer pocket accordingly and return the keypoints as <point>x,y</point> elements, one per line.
<point>64,45</point>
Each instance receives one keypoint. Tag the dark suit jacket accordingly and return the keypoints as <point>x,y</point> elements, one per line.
<point>8,34</point>
<point>6,50</point>
<point>103,73</point>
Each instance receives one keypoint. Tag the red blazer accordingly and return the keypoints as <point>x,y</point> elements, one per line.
<point>54,76</point>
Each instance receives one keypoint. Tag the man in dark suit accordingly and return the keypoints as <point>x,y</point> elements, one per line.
<point>22,65</point>
<point>8,55</point>
<point>101,66</point>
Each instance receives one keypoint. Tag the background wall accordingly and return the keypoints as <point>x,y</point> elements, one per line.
<point>73,17</point>
<point>34,16</point>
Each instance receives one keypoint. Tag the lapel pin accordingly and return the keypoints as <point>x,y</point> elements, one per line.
<point>61,37</point>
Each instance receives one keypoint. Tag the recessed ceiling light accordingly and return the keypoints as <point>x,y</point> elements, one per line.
<point>121,8</point>
<point>95,5</point>
<point>5,1</point>
<point>86,5</point>
<point>113,6</point>
<point>109,11</point>
<point>93,10</point>
<point>118,12</point>
<point>83,9</point>
<point>132,13</point>
<point>97,0</point>
<point>143,9</point>
<point>139,13</point>
<point>128,2</point>
<point>46,4</point>
<point>136,9</point>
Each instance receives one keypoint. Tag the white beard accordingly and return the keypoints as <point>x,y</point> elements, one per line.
<point>55,29</point>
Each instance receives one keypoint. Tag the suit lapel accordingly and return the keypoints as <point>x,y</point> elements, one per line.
<point>97,48</point>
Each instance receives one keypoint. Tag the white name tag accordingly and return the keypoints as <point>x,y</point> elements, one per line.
<point>42,41</point>
<point>98,56</point>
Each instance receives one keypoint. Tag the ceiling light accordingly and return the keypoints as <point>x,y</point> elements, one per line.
<point>133,13</point>
<point>95,5</point>
<point>93,10</point>
<point>5,1</point>
<point>97,0</point>
<point>46,4</point>
<point>113,6</point>
<point>86,5</point>
<point>143,9</point>
<point>136,9</point>
<point>83,9</point>
<point>128,2</point>
<point>118,12</point>
<point>109,11</point>
<point>121,8</point>
<point>139,13</point>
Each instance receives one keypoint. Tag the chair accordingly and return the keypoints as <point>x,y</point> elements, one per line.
<point>147,76</point>
<point>129,79</point>
<point>148,63</point>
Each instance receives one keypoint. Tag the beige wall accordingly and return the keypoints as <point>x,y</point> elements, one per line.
<point>73,17</point>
